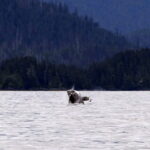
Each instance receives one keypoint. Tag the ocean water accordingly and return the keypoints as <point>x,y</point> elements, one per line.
<point>45,121</point>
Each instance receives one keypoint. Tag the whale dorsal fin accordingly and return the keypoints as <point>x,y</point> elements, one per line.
<point>73,87</point>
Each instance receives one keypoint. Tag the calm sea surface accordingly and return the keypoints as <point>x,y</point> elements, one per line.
<point>45,121</point>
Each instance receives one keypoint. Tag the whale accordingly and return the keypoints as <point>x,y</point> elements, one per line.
<point>76,98</point>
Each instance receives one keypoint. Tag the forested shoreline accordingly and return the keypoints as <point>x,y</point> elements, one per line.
<point>129,70</point>
<point>45,46</point>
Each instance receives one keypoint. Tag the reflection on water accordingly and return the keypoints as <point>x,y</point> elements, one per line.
<point>44,120</point>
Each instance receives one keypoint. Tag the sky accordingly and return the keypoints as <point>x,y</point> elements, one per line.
<point>123,16</point>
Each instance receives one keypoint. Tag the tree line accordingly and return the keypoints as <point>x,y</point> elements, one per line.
<point>129,70</point>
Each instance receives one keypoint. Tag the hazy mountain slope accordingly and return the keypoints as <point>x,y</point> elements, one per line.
<point>123,15</point>
<point>50,32</point>
<point>140,38</point>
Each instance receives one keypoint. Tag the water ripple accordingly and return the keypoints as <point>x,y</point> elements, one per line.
<point>44,120</point>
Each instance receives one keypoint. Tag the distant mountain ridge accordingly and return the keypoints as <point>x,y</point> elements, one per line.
<point>49,32</point>
<point>122,15</point>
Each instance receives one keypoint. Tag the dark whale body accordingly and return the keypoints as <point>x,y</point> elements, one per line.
<point>72,99</point>
<point>75,97</point>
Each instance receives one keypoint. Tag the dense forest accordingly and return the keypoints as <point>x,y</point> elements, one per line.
<point>50,32</point>
<point>26,73</point>
<point>129,70</point>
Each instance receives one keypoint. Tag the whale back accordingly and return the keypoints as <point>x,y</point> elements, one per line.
<point>74,96</point>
